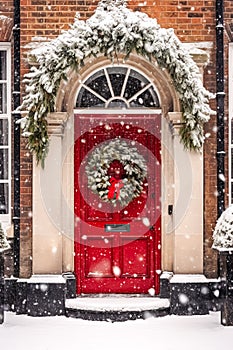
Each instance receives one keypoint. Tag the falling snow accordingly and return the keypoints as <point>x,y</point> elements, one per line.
<point>146,222</point>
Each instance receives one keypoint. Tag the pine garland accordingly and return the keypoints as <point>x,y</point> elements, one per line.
<point>3,241</point>
<point>112,30</point>
<point>134,165</point>
<point>223,232</point>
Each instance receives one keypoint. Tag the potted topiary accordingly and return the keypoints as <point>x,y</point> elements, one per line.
<point>4,245</point>
<point>223,243</point>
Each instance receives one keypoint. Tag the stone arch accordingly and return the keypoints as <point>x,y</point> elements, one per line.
<point>6,25</point>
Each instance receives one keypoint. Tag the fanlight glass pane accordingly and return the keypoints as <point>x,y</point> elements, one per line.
<point>99,84</point>
<point>117,87</point>
<point>117,77</point>
<point>88,99</point>
<point>117,103</point>
<point>147,99</point>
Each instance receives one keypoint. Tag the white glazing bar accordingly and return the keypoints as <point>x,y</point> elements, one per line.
<point>125,82</point>
<point>139,92</point>
<point>95,93</point>
<point>136,111</point>
<point>109,82</point>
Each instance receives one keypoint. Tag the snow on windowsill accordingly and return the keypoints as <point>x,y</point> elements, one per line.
<point>117,304</point>
<point>222,249</point>
<point>166,275</point>
<point>46,279</point>
<point>186,278</point>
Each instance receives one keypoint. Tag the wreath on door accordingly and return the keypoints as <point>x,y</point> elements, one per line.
<point>110,188</point>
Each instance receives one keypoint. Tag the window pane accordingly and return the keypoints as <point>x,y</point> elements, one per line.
<point>2,65</point>
<point>3,98</point>
<point>117,78</point>
<point>231,131</point>
<point>100,85</point>
<point>4,164</point>
<point>87,99</point>
<point>231,193</point>
<point>117,103</point>
<point>147,99</point>
<point>108,85</point>
<point>4,198</point>
<point>3,132</point>
<point>133,86</point>
<point>231,163</point>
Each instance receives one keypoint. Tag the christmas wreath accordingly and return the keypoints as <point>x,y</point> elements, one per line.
<point>108,187</point>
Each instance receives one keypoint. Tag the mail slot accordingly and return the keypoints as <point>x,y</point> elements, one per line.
<point>117,228</point>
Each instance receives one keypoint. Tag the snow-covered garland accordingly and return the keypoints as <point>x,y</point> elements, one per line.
<point>108,188</point>
<point>4,244</point>
<point>223,232</point>
<point>112,30</point>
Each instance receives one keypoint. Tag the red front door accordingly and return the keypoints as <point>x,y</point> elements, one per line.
<point>117,243</point>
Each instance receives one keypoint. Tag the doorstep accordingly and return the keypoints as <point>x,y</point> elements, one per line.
<point>116,307</point>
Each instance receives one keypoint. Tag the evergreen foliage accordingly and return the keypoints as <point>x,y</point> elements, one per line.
<point>112,30</point>
<point>223,232</point>
<point>3,241</point>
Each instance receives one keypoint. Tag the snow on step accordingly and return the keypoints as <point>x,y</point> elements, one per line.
<point>117,304</point>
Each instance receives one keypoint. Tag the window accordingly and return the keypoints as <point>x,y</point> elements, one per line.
<point>5,118</point>
<point>117,87</point>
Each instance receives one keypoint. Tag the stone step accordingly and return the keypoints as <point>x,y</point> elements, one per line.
<point>116,307</point>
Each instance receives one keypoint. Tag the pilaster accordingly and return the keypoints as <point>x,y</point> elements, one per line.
<point>188,208</point>
<point>47,203</point>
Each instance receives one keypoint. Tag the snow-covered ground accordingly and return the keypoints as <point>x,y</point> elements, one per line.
<point>168,333</point>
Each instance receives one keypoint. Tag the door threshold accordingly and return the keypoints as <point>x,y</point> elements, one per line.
<point>116,307</point>
<point>114,295</point>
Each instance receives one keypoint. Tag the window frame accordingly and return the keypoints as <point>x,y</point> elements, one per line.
<point>105,72</point>
<point>5,219</point>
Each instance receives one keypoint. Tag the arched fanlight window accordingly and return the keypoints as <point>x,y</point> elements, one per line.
<point>117,87</point>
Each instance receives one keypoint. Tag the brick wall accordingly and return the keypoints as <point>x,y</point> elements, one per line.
<point>25,210</point>
<point>210,261</point>
<point>7,8</point>
<point>192,20</point>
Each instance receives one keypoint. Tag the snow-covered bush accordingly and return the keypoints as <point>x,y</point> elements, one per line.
<point>223,232</point>
<point>3,241</point>
<point>112,30</point>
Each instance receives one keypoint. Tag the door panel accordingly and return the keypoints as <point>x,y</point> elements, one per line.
<point>117,250</point>
<point>135,257</point>
<point>98,261</point>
